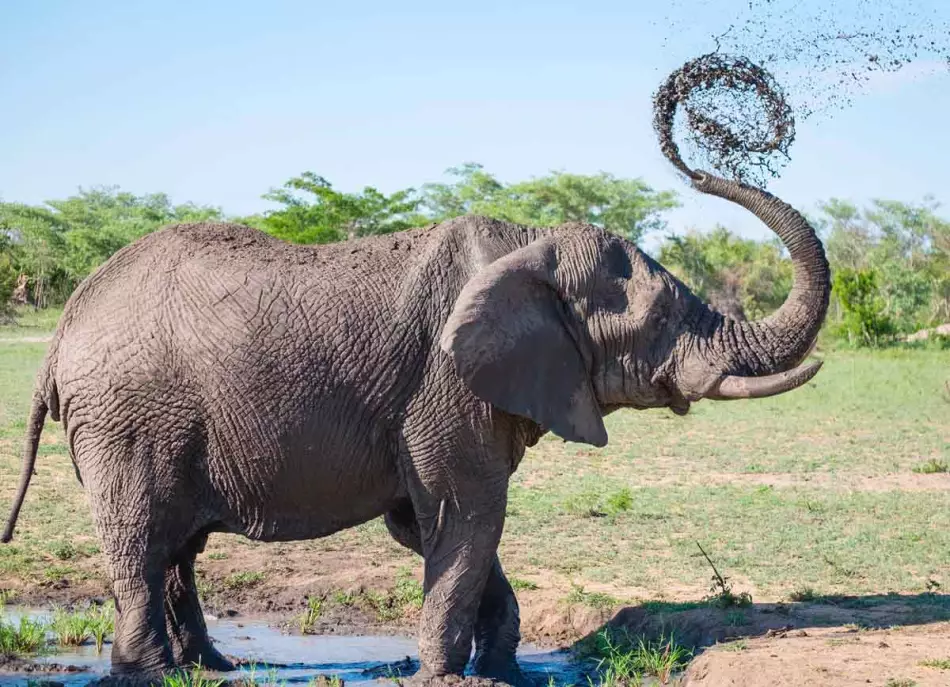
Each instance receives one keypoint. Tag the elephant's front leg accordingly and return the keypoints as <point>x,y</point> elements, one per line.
<point>498,631</point>
<point>459,544</point>
<point>497,626</point>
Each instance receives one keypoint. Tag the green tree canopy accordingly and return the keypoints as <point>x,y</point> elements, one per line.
<point>313,212</point>
<point>628,207</point>
<point>60,242</point>
<point>902,251</point>
<point>741,277</point>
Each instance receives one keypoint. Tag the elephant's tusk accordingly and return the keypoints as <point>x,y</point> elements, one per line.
<point>732,387</point>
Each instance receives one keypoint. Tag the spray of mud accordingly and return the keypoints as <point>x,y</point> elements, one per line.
<point>738,120</point>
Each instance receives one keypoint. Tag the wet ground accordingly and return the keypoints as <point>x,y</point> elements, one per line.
<point>287,658</point>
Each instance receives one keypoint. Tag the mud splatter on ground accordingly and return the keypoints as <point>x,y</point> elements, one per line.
<point>771,62</point>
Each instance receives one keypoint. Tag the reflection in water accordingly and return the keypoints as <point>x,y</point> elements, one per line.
<point>355,659</point>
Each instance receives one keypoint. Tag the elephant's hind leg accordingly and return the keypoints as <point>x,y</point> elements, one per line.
<point>184,619</point>
<point>144,515</point>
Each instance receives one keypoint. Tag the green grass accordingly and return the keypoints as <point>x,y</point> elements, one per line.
<point>312,614</point>
<point>623,660</point>
<point>191,678</point>
<point>519,584</point>
<point>597,600</point>
<point>26,637</point>
<point>71,629</point>
<point>938,663</point>
<point>242,580</point>
<point>405,596</point>
<point>29,322</point>
<point>74,628</point>
<point>932,467</point>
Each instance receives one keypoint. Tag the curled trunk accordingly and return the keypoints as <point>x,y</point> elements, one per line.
<point>779,342</point>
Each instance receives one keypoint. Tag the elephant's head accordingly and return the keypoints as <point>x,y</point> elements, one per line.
<point>581,322</point>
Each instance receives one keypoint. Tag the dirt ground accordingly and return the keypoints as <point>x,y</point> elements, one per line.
<point>885,640</point>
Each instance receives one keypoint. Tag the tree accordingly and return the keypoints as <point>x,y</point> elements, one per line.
<point>906,247</point>
<point>628,207</point>
<point>60,242</point>
<point>313,212</point>
<point>740,277</point>
<point>865,320</point>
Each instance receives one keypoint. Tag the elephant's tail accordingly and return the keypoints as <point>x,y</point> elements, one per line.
<point>34,428</point>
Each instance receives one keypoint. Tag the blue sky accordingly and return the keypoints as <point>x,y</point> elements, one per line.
<point>216,102</point>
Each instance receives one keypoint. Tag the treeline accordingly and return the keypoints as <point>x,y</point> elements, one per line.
<point>891,261</point>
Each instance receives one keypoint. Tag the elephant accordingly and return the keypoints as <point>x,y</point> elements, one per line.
<point>212,378</point>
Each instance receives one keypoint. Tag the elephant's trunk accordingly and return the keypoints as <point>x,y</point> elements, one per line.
<point>779,342</point>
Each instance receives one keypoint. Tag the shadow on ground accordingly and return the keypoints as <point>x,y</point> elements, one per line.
<point>698,625</point>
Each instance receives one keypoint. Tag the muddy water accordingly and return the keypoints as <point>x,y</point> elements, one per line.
<point>292,658</point>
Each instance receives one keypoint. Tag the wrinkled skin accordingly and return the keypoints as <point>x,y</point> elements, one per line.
<point>211,378</point>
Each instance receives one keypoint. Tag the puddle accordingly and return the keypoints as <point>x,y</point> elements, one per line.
<point>357,660</point>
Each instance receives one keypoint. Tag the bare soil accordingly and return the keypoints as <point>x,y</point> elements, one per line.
<point>830,656</point>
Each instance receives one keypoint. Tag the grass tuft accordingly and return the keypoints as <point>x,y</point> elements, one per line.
<point>74,628</point>
<point>938,663</point>
<point>24,638</point>
<point>518,584</point>
<point>596,600</point>
<point>624,660</point>
<point>311,615</point>
<point>594,504</point>
<point>70,628</point>
<point>721,594</point>
<point>242,580</point>
<point>407,595</point>
<point>191,678</point>
<point>932,467</point>
<point>803,594</point>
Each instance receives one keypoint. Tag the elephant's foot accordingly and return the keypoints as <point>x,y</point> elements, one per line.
<point>504,670</point>
<point>426,679</point>
<point>205,655</point>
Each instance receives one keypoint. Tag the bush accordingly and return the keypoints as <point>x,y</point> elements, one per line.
<point>864,321</point>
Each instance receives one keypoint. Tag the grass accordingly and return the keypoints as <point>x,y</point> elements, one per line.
<point>191,678</point>
<point>938,663</point>
<point>71,629</point>
<point>311,615</point>
<point>803,595</point>
<point>519,584</point>
<point>74,628</point>
<point>243,580</point>
<point>271,679</point>
<point>26,637</point>
<point>30,322</point>
<point>623,660</point>
<point>596,600</point>
<point>932,467</point>
<point>831,462</point>
<point>405,596</point>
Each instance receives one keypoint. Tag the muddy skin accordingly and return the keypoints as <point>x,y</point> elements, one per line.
<point>211,378</point>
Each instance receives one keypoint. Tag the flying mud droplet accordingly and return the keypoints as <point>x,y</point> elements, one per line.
<point>737,119</point>
<point>826,55</point>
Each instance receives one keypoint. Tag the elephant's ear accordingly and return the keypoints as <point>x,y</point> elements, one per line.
<point>509,339</point>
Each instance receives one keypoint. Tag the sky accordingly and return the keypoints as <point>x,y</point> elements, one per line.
<point>216,102</point>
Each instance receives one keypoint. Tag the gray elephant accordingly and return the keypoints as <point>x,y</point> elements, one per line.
<point>211,378</point>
